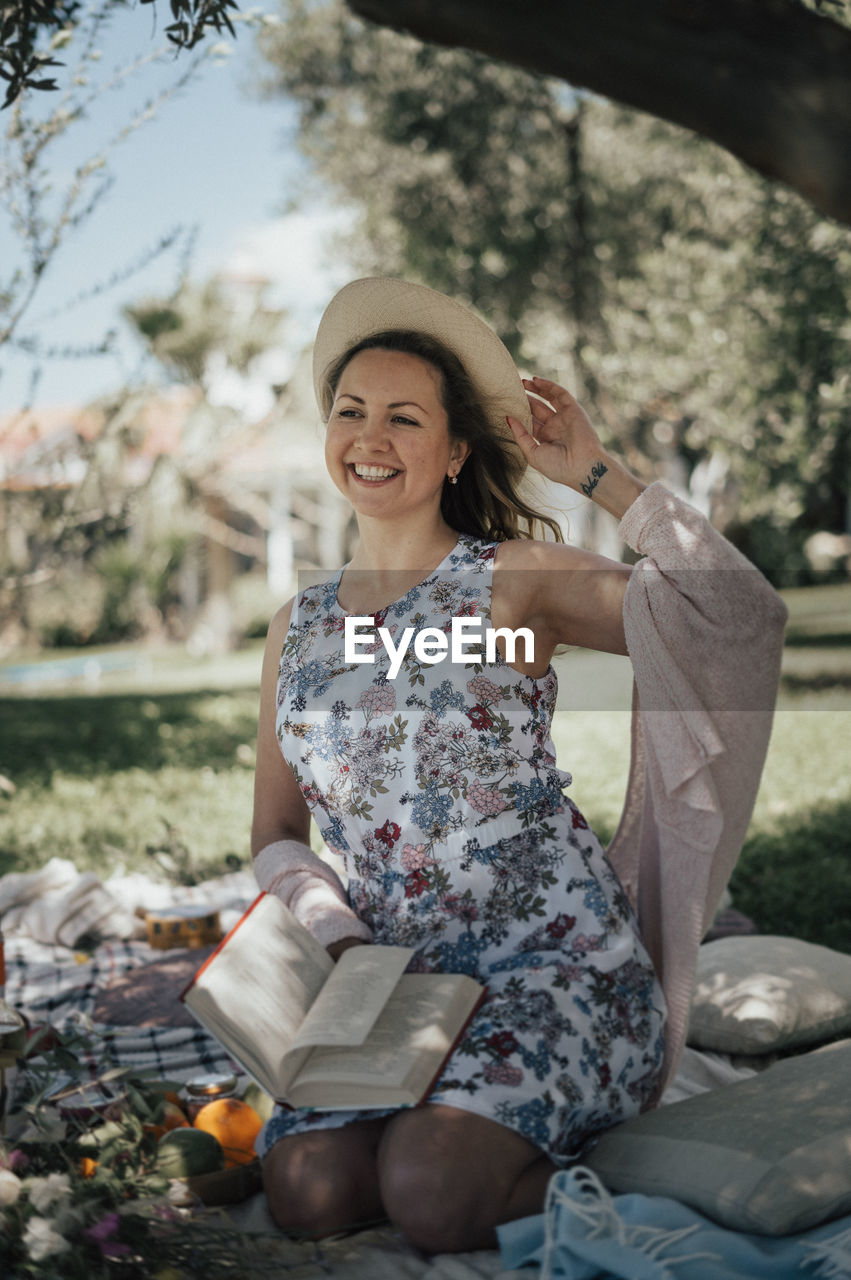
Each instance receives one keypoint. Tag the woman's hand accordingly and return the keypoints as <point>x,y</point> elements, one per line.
<point>566,448</point>
<point>336,949</point>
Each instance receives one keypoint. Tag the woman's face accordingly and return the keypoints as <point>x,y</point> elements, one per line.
<point>387,444</point>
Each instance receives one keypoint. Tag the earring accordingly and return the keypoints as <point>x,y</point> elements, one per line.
<point>453,479</point>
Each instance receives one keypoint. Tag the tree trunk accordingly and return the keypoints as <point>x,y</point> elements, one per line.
<point>767,79</point>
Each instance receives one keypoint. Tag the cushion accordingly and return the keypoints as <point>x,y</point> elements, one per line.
<point>771,1154</point>
<point>764,994</point>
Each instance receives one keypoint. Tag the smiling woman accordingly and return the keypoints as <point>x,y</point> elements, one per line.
<point>388,435</point>
<point>431,772</point>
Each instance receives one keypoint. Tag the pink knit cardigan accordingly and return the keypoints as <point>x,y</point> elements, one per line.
<point>704,632</point>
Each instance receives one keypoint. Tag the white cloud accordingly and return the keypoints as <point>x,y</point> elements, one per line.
<point>299,255</point>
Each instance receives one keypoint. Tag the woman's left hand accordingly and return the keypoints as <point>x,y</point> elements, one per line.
<point>565,447</point>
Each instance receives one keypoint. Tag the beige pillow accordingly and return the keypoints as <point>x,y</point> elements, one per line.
<point>770,1155</point>
<point>763,994</point>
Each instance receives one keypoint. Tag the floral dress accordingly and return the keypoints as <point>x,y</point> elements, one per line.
<point>439,790</point>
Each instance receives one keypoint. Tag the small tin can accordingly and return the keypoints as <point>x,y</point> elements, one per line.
<point>202,1090</point>
<point>190,926</point>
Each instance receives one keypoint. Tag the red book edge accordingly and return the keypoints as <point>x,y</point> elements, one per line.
<point>224,942</point>
<point>455,1043</point>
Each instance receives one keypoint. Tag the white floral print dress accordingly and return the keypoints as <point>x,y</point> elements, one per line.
<point>440,791</point>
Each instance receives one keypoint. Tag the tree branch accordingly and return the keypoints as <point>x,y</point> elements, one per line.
<point>766,79</point>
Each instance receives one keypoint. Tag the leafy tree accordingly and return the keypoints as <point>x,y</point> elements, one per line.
<point>695,299</point>
<point>45,528</point>
<point>31,31</point>
<point>767,81</point>
<point>41,215</point>
<point>198,327</point>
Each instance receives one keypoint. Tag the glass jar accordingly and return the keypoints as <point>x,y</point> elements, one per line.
<point>201,1090</point>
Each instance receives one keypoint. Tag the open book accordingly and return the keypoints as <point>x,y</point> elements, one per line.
<point>360,1033</point>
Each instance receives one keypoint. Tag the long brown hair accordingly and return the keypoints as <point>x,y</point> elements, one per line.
<point>485,502</point>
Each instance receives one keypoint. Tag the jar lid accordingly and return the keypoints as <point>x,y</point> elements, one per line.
<point>210,1086</point>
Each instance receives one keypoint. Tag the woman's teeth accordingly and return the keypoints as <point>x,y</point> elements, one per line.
<point>374,473</point>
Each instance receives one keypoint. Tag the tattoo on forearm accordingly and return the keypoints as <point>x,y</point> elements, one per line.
<point>597,472</point>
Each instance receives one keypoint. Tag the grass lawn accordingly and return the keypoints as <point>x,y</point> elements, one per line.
<point>154,768</point>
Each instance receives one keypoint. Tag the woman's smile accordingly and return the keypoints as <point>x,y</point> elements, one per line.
<point>372,475</point>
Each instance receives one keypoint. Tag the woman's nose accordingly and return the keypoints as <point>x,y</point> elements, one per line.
<point>374,431</point>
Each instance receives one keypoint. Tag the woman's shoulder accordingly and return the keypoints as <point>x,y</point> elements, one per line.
<point>280,623</point>
<point>531,554</point>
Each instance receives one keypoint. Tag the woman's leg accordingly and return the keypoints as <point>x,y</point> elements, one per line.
<point>447,1177</point>
<point>325,1180</point>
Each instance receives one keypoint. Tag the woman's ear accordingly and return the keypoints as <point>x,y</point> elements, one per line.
<point>460,452</point>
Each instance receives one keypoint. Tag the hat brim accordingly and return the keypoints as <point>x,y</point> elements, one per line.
<point>376,304</point>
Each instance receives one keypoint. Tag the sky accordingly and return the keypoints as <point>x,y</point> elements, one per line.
<point>216,158</point>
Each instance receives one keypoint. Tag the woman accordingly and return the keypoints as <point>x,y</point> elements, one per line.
<point>438,786</point>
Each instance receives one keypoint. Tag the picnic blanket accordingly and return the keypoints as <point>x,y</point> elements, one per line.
<point>587,1234</point>
<point>126,995</point>
<point>124,992</point>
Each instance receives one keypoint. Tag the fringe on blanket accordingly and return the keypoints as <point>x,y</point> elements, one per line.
<point>580,1191</point>
<point>832,1258</point>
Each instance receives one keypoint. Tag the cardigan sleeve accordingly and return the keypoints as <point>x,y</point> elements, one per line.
<point>704,634</point>
<point>311,889</point>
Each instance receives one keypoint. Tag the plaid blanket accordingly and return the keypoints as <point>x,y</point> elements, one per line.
<point>53,984</point>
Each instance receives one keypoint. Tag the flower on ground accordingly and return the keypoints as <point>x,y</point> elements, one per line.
<point>41,1238</point>
<point>16,1160</point>
<point>45,1192</point>
<point>103,1235</point>
<point>10,1187</point>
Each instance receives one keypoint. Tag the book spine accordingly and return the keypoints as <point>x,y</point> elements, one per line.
<point>224,942</point>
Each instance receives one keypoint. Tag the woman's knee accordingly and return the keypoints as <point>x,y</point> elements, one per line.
<point>315,1185</point>
<point>446,1177</point>
<point>424,1201</point>
<point>437,1180</point>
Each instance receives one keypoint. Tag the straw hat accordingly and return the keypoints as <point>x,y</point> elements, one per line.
<point>376,304</point>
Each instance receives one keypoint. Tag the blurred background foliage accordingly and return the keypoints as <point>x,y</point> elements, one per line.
<point>701,312</point>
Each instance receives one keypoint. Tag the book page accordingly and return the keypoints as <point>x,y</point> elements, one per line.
<point>254,992</point>
<point>410,1038</point>
<point>353,996</point>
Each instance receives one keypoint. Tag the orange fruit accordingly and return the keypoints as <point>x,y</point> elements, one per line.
<point>235,1124</point>
<point>173,1117</point>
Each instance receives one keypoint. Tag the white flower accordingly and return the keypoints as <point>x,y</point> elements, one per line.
<point>10,1187</point>
<point>44,1192</point>
<point>41,1239</point>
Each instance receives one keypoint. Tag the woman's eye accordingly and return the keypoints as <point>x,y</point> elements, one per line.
<point>408,422</point>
